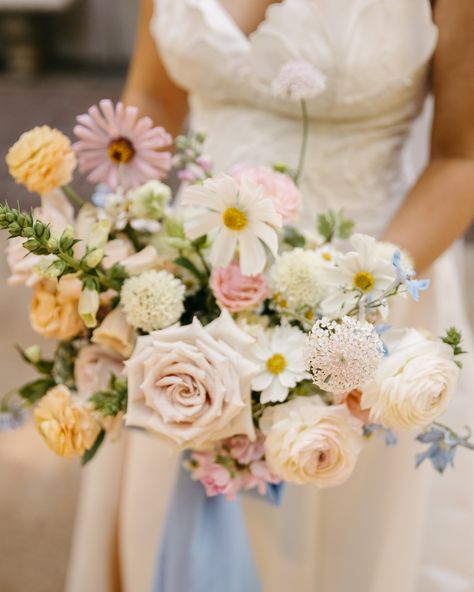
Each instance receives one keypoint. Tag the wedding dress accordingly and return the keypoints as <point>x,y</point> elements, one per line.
<point>391,528</point>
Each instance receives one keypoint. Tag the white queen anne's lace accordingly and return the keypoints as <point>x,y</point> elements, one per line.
<point>152,300</point>
<point>342,356</point>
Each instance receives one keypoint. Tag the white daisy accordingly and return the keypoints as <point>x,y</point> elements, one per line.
<point>361,273</point>
<point>280,355</point>
<point>239,215</point>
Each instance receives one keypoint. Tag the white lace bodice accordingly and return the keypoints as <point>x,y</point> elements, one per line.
<point>375,55</point>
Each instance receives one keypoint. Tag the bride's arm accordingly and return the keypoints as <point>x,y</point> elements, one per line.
<point>148,86</point>
<point>440,208</point>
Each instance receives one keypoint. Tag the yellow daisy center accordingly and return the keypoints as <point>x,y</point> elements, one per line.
<point>234,219</point>
<point>326,256</point>
<point>276,364</point>
<point>364,281</point>
<point>121,151</point>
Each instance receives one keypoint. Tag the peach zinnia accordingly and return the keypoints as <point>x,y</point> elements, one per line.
<point>42,160</point>
<point>120,149</point>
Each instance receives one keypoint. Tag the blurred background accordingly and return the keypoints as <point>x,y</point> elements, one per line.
<point>57,57</point>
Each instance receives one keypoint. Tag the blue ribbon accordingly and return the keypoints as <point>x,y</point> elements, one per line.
<point>205,547</point>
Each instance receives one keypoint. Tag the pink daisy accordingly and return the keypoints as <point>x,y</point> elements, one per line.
<point>120,149</point>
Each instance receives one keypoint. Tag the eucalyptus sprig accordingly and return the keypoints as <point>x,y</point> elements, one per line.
<point>41,241</point>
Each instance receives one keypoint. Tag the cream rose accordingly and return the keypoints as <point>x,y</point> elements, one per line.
<point>191,384</point>
<point>413,384</point>
<point>93,369</point>
<point>309,442</point>
<point>67,426</point>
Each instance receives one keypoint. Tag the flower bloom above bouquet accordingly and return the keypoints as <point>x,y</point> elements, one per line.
<point>214,323</point>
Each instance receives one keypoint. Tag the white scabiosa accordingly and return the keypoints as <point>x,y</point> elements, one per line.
<point>150,200</point>
<point>296,277</point>
<point>343,356</point>
<point>152,300</point>
<point>298,80</point>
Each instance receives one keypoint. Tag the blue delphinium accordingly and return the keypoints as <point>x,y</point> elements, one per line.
<point>389,436</point>
<point>11,418</point>
<point>443,446</point>
<point>408,278</point>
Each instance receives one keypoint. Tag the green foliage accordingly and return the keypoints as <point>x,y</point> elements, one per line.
<point>89,454</point>
<point>334,225</point>
<point>453,338</point>
<point>40,241</point>
<point>63,364</point>
<point>34,391</point>
<point>112,401</point>
<point>293,237</point>
<point>190,266</point>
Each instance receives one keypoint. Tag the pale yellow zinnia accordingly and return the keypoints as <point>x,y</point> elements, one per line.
<point>67,426</point>
<point>42,160</point>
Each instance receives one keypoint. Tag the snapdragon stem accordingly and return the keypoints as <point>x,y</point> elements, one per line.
<point>73,196</point>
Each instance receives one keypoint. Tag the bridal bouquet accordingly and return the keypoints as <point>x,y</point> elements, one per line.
<point>213,323</point>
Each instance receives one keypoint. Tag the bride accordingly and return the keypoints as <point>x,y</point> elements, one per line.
<point>391,528</point>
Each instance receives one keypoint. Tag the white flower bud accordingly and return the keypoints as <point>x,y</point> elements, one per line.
<point>89,303</point>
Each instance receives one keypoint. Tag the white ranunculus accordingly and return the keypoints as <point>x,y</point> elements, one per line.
<point>190,384</point>
<point>309,442</point>
<point>414,383</point>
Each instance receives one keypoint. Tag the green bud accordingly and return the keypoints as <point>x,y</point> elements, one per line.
<point>52,244</point>
<point>31,245</point>
<point>33,353</point>
<point>47,233</point>
<point>22,220</point>
<point>67,239</point>
<point>174,228</point>
<point>56,269</point>
<point>39,228</point>
<point>9,217</point>
<point>14,229</point>
<point>27,232</point>
<point>280,167</point>
<point>94,258</point>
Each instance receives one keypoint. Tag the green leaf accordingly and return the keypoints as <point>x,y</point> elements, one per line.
<point>112,401</point>
<point>34,391</point>
<point>41,365</point>
<point>293,237</point>
<point>63,368</point>
<point>89,454</point>
<point>189,265</point>
<point>326,225</point>
<point>345,227</point>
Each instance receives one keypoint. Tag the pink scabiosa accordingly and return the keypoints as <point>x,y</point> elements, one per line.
<point>120,149</point>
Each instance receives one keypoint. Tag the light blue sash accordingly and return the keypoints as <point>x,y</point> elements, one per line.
<point>205,547</point>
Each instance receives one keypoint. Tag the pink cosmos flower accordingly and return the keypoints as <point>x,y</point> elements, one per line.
<point>120,149</point>
<point>280,188</point>
<point>238,292</point>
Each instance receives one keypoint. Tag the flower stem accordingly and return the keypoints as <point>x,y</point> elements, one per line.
<point>73,197</point>
<point>304,141</point>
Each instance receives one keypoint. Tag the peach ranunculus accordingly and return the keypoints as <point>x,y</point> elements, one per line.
<point>42,160</point>
<point>191,384</point>
<point>280,188</point>
<point>238,292</point>
<point>66,424</point>
<point>56,211</point>
<point>94,368</point>
<point>54,309</point>
<point>309,442</point>
<point>115,334</point>
<point>413,384</point>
